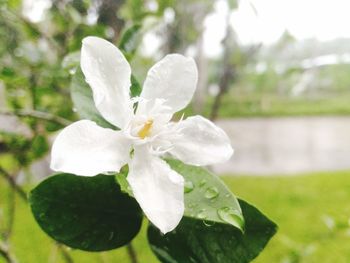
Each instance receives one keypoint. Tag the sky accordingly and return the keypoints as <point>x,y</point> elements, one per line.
<point>264,21</point>
<point>259,21</point>
<point>322,19</point>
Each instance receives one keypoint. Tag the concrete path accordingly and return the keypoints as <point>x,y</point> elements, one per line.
<point>290,145</point>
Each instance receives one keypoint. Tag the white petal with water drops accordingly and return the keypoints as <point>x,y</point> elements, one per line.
<point>158,189</point>
<point>201,143</point>
<point>108,73</point>
<point>84,148</point>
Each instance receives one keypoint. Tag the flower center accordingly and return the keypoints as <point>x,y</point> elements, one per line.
<point>146,129</point>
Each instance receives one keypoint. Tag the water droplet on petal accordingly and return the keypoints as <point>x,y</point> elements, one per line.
<point>211,192</point>
<point>189,186</point>
<point>227,195</point>
<point>231,216</point>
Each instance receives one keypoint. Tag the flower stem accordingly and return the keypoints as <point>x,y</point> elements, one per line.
<point>132,253</point>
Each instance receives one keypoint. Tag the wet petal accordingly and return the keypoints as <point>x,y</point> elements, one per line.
<point>108,74</point>
<point>84,148</point>
<point>201,142</point>
<point>158,189</point>
<point>173,79</point>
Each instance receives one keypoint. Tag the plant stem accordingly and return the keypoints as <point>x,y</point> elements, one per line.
<point>18,189</point>
<point>38,115</point>
<point>4,252</point>
<point>11,214</point>
<point>13,183</point>
<point>67,258</point>
<point>131,253</point>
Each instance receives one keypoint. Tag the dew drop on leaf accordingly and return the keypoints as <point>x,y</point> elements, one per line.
<point>42,215</point>
<point>231,216</point>
<point>188,187</point>
<point>202,214</point>
<point>211,192</point>
<point>202,183</point>
<point>208,223</point>
<point>84,244</point>
<point>111,235</point>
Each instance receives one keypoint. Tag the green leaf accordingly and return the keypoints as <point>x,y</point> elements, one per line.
<point>130,40</point>
<point>87,213</point>
<point>135,88</point>
<point>232,4</point>
<point>121,180</point>
<point>83,101</point>
<point>194,241</point>
<point>207,197</point>
<point>71,61</point>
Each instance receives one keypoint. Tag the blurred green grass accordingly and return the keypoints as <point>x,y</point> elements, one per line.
<point>271,105</point>
<point>312,212</point>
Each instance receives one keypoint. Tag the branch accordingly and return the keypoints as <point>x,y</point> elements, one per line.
<point>13,183</point>
<point>11,214</point>
<point>131,253</point>
<point>66,256</point>
<point>38,115</point>
<point>3,249</point>
<point>5,253</point>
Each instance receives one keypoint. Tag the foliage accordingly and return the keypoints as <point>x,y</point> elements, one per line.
<point>207,201</point>
<point>298,199</point>
<point>86,213</point>
<point>196,241</point>
<point>40,75</point>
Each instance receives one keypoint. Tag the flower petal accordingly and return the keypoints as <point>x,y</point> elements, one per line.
<point>158,189</point>
<point>108,74</point>
<point>84,148</point>
<point>201,142</point>
<point>174,79</point>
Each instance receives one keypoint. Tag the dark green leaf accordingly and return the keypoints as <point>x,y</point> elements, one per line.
<point>196,242</point>
<point>207,197</point>
<point>135,88</point>
<point>130,40</point>
<point>83,102</point>
<point>88,213</point>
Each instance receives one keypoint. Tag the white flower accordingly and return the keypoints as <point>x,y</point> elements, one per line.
<point>84,148</point>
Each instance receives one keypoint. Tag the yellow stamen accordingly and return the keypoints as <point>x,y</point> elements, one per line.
<point>146,129</point>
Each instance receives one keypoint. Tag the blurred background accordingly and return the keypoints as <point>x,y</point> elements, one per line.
<point>274,74</point>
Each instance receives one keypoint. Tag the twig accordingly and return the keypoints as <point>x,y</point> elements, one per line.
<point>131,253</point>
<point>11,214</point>
<point>4,248</point>
<point>38,115</point>
<point>67,258</point>
<point>5,253</point>
<point>13,183</point>
<point>228,70</point>
<point>23,195</point>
